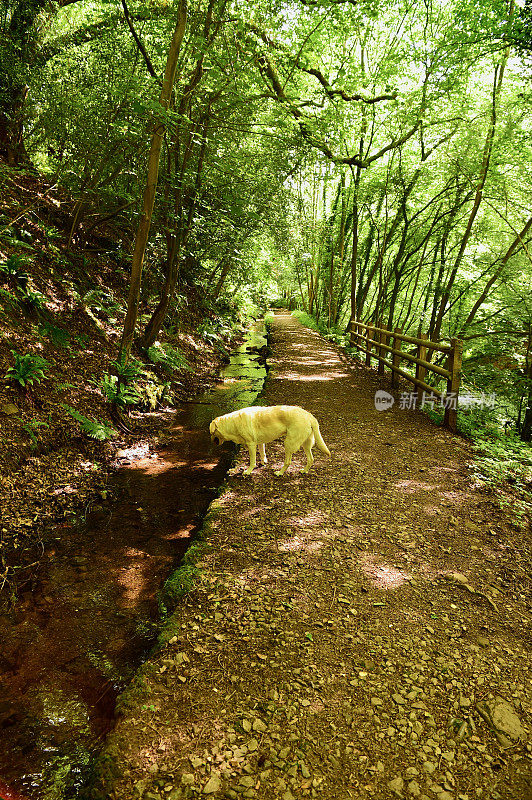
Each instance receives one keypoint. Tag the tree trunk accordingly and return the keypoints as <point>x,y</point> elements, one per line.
<point>18,53</point>
<point>526,428</point>
<point>486,157</point>
<point>178,240</point>
<point>143,229</point>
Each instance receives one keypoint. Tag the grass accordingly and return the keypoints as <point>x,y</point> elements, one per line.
<point>306,320</point>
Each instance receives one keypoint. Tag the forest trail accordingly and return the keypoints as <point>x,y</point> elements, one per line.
<point>351,628</point>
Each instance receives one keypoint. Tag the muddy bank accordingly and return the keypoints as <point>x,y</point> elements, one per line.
<point>83,628</point>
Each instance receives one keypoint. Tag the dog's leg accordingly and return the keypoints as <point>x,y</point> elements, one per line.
<point>252,447</point>
<point>290,447</point>
<point>307,446</point>
<point>287,462</point>
<point>262,454</point>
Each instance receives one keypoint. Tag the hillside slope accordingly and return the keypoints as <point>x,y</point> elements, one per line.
<point>66,305</point>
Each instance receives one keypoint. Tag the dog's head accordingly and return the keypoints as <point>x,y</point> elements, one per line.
<point>216,436</point>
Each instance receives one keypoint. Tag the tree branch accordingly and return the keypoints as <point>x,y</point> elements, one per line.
<point>140,45</point>
<point>340,92</point>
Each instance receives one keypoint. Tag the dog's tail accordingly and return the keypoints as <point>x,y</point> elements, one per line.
<point>320,444</point>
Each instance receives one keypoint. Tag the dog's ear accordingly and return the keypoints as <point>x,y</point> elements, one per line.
<point>212,426</point>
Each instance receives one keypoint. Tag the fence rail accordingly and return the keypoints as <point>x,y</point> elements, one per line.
<point>374,342</point>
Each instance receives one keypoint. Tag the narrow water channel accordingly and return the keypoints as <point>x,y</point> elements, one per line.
<point>75,640</point>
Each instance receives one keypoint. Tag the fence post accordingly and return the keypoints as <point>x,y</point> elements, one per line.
<point>454,365</point>
<point>421,353</point>
<point>396,358</point>
<point>369,335</point>
<point>382,339</point>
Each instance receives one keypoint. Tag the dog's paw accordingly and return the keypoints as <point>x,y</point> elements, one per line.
<point>279,473</point>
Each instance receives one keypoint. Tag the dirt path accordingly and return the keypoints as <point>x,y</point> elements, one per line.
<point>331,648</point>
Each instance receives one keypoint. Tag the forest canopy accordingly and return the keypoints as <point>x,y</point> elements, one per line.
<point>352,159</point>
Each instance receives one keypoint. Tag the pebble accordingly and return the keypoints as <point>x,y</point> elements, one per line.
<point>396,785</point>
<point>9,409</point>
<point>213,784</point>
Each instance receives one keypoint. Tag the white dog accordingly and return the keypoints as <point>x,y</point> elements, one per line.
<point>258,425</point>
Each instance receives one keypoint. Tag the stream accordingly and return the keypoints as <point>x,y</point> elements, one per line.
<point>74,641</point>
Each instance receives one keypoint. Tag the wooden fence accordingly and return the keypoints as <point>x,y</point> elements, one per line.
<point>374,341</point>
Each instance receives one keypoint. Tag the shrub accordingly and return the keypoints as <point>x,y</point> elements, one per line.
<point>27,369</point>
<point>101,301</point>
<point>153,394</point>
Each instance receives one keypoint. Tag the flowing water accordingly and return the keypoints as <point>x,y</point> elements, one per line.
<point>76,638</point>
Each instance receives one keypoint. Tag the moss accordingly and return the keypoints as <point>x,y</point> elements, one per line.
<point>188,574</point>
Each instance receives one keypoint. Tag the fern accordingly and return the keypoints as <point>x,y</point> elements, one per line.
<point>13,269</point>
<point>118,394</point>
<point>59,336</point>
<point>28,369</point>
<point>168,357</point>
<point>92,428</point>
<point>127,371</point>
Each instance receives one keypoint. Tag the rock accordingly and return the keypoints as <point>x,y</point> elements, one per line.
<point>502,717</point>
<point>213,784</point>
<point>188,778</point>
<point>414,788</point>
<point>396,785</point>
<point>456,577</point>
<point>9,409</point>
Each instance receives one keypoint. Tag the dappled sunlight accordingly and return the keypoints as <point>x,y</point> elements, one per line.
<point>300,544</point>
<point>382,575</point>
<point>411,486</point>
<point>299,376</point>
<point>311,520</point>
<point>455,497</point>
<point>136,451</point>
